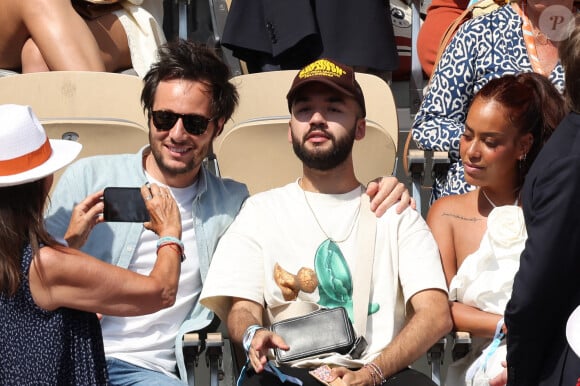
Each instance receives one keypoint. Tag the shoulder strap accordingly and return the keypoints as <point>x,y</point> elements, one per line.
<point>365,240</point>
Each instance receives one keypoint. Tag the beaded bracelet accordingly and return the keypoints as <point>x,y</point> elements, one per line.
<point>169,240</point>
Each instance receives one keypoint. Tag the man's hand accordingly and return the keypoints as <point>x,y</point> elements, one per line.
<point>361,376</point>
<point>84,217</point>
<point>263,341</point>
<point>387,191</point>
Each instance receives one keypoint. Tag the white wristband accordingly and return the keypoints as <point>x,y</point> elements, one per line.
<point>249,336</point>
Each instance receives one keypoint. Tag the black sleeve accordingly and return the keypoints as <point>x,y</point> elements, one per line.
<point>545,289</point>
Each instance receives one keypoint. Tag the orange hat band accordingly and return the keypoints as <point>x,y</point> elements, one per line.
<point>26,162</point>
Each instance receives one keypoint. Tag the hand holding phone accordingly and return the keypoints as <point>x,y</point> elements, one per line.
<point>124,204</point>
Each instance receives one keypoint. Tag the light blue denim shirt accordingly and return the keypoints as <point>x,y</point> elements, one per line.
<point>215,206</point>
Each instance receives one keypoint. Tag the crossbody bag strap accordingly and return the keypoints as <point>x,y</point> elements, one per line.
<point>365,241</point>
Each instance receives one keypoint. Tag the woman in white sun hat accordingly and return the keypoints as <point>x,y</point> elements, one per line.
<point>49,293</point>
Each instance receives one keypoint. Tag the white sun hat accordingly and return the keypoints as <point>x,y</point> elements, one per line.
<point>26,154</point>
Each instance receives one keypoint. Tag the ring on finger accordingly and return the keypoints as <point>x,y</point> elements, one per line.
<point>149,197</point>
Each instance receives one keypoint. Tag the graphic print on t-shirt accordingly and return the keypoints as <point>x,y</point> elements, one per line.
<point>331,275</point>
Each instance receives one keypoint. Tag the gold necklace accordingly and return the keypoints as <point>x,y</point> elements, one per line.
<point>354,221</point>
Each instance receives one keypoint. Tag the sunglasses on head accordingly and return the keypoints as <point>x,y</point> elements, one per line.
<point>193,123</point>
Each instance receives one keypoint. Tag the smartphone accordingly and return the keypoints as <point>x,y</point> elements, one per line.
<point>124,205</point>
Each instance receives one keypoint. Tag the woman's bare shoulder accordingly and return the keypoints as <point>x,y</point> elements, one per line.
<point>453,205</point>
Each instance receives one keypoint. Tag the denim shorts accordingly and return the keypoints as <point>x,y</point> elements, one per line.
<point>124,373</point>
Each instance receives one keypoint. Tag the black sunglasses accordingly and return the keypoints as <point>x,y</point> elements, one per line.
<point>193,123</point>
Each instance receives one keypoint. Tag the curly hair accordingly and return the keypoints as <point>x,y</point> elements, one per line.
<point>532,104</point>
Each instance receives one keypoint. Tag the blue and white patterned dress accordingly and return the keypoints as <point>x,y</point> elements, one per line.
<point>40,347</point>
<point>484,48</point>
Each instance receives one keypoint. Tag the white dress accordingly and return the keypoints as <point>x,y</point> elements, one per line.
<point>484,280</point>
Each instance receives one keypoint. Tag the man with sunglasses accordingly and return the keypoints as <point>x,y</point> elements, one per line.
<point>188,98</point>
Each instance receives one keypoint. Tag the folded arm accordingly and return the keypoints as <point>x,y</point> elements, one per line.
<point>474,320</point>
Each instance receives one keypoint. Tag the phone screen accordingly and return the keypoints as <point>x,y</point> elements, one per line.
<point>124,205</point>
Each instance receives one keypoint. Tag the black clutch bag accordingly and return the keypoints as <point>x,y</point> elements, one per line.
<point>325,331</point>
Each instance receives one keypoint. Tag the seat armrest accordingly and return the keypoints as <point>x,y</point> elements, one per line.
<point>416,161</point>
<point>435,357</point>
<point>461,344</point>
<point>214,344</point>
<point>193,345</point>
<point>440,162</point>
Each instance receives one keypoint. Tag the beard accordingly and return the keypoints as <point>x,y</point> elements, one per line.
<point>324,159</point>
<point>172,171</point>
<point>164,167</point>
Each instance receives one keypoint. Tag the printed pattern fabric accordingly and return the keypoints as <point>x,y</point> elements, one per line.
<point>484,48</point>
<point>39,347</point>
